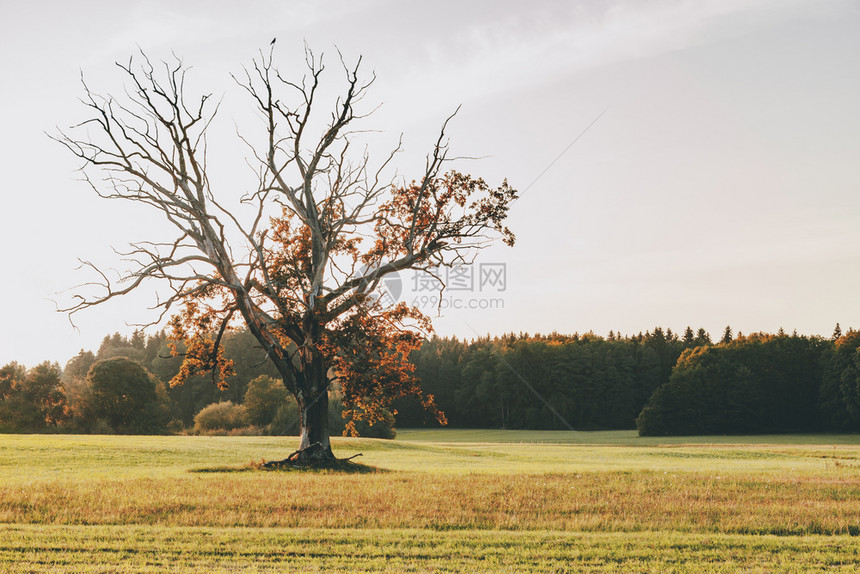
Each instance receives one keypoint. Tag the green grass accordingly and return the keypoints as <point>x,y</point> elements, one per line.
<point>617,438</point>
<point>439,501</point>
<point>38,457</point>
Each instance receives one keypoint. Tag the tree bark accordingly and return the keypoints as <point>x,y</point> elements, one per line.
<point>314,428</point>
<point>312,396</point>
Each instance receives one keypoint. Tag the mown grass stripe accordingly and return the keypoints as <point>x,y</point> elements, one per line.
<point>89,549</point>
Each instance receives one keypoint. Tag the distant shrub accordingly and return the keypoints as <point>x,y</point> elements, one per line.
<point>175,426</point>
<point>224,416</point>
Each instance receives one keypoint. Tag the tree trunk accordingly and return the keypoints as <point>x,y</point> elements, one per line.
<point>312,395</point>
<point>315,444</point>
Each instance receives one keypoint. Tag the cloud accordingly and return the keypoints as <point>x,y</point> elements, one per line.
<point>484,55</point>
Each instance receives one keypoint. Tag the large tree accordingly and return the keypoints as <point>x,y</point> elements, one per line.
<point>327,226</point>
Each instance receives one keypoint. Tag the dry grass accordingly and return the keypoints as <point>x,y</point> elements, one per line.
<point>105,504</point>
<point>605,502</point>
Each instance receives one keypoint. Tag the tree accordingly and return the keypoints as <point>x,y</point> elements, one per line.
<point>44,390</point>
<point>77,367</point>
<point>31,400</point>
<point>263,398</point>
<point>839,397</point>
<point>327,227</point>
<point>759,384</point>
<point>689,337</point>
<point>118,346</point>
<point>702,337</point>
<point>123,396</point>
<point>727,335</point>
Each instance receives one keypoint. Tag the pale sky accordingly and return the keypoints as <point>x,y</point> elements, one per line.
<point>721,184</point>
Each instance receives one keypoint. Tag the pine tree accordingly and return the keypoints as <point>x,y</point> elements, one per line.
<point>837,332</point>
<point>689,337</point>
<point>702,337</point>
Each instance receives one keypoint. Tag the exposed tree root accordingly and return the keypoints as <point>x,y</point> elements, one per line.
<point>314,456</point>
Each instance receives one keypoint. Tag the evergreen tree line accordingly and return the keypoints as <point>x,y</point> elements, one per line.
<point>555,381</point>
<point>659,382</point>
<point>760,384</point>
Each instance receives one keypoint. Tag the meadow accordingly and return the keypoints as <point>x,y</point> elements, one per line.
<point>433,500</point>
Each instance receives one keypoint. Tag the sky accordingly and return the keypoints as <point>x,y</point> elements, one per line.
<point>680,162</point>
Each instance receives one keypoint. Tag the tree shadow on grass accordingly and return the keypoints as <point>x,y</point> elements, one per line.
<point>221,469</point>
<point>335,467</point>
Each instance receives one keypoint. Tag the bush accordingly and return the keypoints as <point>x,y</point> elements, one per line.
<point>224,416</point>
<point>175,426</point>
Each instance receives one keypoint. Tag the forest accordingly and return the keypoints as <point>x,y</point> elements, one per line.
<point>123,388</point>
<point>660,382</point>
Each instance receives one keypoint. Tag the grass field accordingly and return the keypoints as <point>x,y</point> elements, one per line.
<point>450,500</point>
